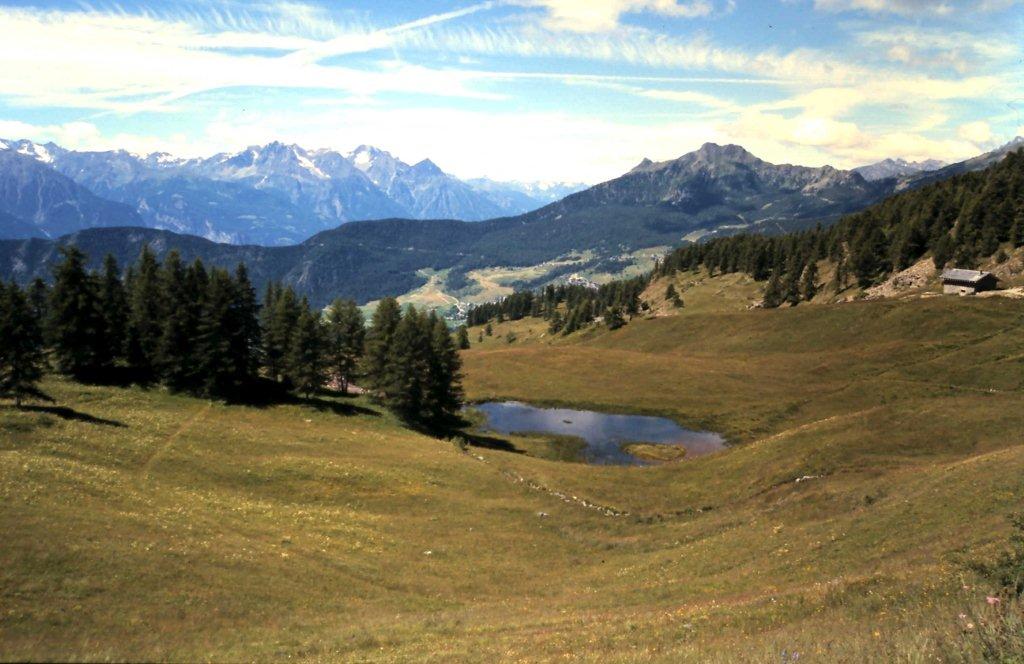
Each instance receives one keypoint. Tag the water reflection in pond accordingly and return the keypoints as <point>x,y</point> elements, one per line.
<point>603,433</point>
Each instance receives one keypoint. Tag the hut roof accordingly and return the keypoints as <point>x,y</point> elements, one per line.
<point>969,276</point>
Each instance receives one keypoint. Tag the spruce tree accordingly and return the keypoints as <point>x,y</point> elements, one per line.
<point>76,323</point>
<point>344,339</point>
<point>572,321</point>
<point>281,319</point>
<point>672,296</point>
<point>445,382</point>
<point>146,315</point>
<point>869,256</point>
<point>216,367</point>
<point>809,283</point>
<point>305,358</point>
<point>943,251</point>
<point>174,359</point>
<point>1017,229</point>
<point>21,352</point>
<point>247,334</point>
<point>404,388</point>
<point>114,306</point>
<point>463,335</point>
<point>38,299</point>
<point>773,293</point>
<point>556,324</point>
<point>613,318</point>
<point>383,325</point>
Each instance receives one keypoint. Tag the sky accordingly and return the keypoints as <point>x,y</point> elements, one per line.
<point>529,90</point>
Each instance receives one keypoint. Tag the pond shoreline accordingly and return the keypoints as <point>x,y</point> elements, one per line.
<point>692,423</point>
<point>594,437</point>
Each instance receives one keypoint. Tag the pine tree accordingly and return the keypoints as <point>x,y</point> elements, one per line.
<point>174,360</point>
<point>989,241</point>
<point>445,379</point>
<point>868,257</point>
<point>464,337</point>
<point>773,295</point>
<point>613,318</point>
<point>76,323</point>
<point>344,338</point>
<point>1017,229</point>
<point>672,296</point>
<point>790,284</point>
<point>488,330</point>
<point>809,283</point>
<point>218,372</point>
<point>942,251</point>
<point>114,306</point>
<point>21,353</point>
<point>281,316</point>
<point>246,335</point>
<point>556,324</point>
<point>379,338</point>
<point>39,299</point>
<point>572,322</point>
<point>404,388</point>
<point>304,361</point>
<point>146,315</point>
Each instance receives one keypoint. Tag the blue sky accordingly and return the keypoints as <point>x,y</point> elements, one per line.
<point>576,90</point>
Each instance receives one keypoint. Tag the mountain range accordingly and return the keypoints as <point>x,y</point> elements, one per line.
<point>897,168</point>
<point>270,195</point>
<point>715,190</point>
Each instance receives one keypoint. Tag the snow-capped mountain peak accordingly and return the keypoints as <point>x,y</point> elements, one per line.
<point>894,168</point>
<point>41,153</point>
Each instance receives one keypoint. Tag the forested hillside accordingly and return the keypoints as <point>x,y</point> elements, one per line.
<point>205,332</point>
<point>958,222</point>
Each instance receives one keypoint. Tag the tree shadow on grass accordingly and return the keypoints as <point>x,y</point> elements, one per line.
<point>70,414</point>
<point>334,406</point>
<point>266,394</point>
<point>489,442</point>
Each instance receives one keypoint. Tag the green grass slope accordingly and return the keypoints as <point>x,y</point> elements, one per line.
<point>877,446</point>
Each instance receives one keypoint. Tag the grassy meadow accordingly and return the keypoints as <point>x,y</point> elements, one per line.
<point>877,447</point>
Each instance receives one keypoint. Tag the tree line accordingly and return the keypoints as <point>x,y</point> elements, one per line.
<point>567,307</point>
<point>205,332</point>
<point>959,221</point>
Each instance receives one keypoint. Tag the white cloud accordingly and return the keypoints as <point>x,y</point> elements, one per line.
<point>906,7</point>
<point>129,63</point>
<point>916,7</point>
<point>74,135</point>
<point>823,107</point>
<point>603,15</point>
<point>978,132</point>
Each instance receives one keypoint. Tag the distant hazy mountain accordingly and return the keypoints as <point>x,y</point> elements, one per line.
<point>520,197</point>
<point>423,189</point>
<point>973,164</point>
<point>275,194</point>
<point>717,189</point>
<point>722,189</point>
<point>37,201</point>
<point>897,168</point>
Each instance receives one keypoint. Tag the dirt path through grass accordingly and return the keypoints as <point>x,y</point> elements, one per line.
<point>166,445</point>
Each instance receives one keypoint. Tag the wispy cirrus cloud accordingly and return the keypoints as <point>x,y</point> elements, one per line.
<point>603,15</point>
<point>938,8</point>
<point>130,63</point>
<point>646,78</point>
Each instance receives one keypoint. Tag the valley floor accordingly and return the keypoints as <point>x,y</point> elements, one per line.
<point>876,449</point>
